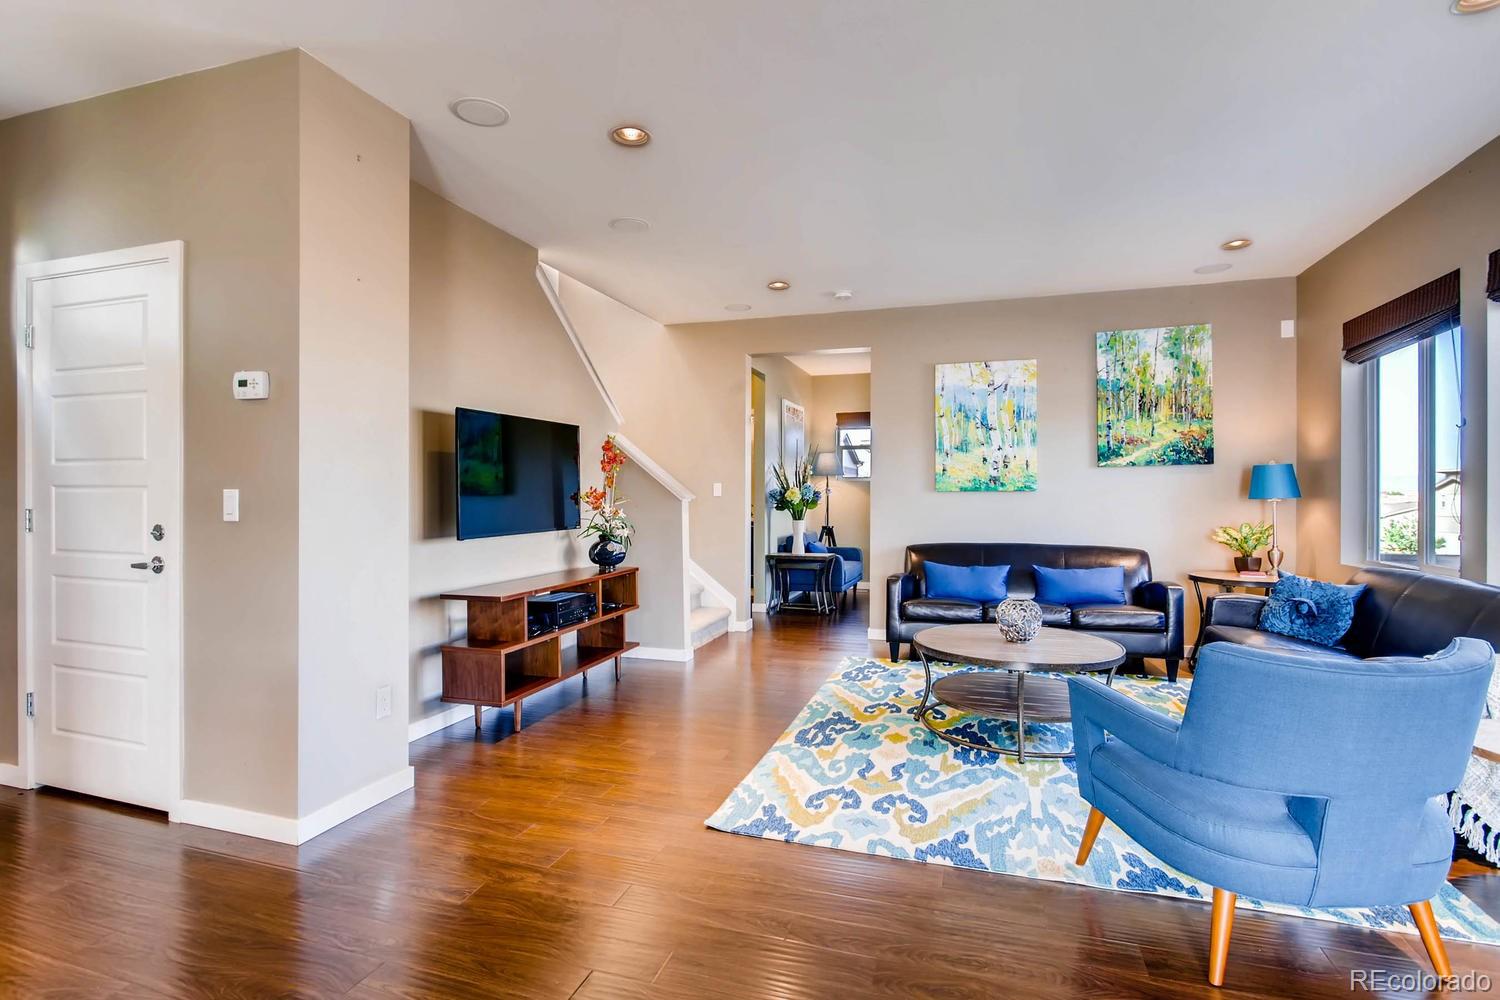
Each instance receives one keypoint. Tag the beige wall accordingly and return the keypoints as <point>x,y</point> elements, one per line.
<point>482,336</point>
<point>832,395</point>
<point>1167,511</point>
<point>1452,223</point>
<point>353,448</point>
<point>210,159</point>
<point>659,548</point>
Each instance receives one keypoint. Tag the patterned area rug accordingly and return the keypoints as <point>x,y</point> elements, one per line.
<point>857,772</point>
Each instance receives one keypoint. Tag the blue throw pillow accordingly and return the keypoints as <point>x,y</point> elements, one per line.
<point>1310,609</point>
<point>1103,585</point>
<point>981,584</point>
<point>817,548</point>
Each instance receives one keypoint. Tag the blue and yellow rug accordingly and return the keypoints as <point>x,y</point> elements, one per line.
<point>857,772</point>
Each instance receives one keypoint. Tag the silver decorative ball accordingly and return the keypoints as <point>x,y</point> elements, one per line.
<point>1019,620</point>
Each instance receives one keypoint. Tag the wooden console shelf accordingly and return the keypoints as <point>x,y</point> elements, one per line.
<point>498,664</point>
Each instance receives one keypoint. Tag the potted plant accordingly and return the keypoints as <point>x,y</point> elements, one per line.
<point>793,492</point>
<point>1244,540</point>
<point>607,524</point>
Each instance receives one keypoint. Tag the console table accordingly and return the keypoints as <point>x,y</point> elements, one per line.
<point>498,664</point>
<point>779,569</point>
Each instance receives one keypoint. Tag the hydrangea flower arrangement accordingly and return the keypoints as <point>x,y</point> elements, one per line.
<point>793,491</point>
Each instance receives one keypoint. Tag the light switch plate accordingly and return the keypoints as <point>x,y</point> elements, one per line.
<point>718,489</point>
<point>231,505</point>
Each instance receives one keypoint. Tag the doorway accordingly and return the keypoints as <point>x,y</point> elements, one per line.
<point>100,608</point>
<point>814,406</point>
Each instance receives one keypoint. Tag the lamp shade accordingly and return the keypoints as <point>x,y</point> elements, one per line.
<point>1277,481</point>
<point>826,464</point>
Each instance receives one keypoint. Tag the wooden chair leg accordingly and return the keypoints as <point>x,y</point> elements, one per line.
<point>1218,936</point>
<point>1090,834</point>
<point>1427,926</point>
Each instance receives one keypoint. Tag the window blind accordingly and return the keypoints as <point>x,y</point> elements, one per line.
<point>852,421</point>
<point>1420,313</point>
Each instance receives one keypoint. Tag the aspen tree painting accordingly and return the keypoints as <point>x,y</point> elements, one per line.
<point>986,426</point>
<point>1156,396</point>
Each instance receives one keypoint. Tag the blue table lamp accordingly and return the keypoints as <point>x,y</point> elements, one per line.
<point>1276,481</point>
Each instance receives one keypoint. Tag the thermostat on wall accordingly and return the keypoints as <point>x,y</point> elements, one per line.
<point>252,385</point>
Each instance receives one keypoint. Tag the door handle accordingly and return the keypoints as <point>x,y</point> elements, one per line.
<point>155,565</point>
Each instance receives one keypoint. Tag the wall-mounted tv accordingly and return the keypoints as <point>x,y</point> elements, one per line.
<point>515,475</point>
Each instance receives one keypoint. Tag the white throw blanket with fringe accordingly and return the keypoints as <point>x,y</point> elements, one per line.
<point>1475,807</point>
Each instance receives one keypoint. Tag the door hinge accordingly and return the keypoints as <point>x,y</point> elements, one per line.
<point>30,521</point>
<point>30,335</point>
<point>30,705</point>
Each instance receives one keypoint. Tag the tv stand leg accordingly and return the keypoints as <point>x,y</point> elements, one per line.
<point>617,668</point>
<point>478,716</point>
<point>518,716</point>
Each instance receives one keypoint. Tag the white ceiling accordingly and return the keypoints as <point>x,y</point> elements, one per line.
<point>836,361</point>
<point>912,152</point>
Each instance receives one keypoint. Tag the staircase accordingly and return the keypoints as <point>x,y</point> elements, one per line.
<point>706,621</point>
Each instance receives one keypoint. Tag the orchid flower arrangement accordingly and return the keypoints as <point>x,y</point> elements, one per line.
<point>793,491</point>
<point>606,519</point>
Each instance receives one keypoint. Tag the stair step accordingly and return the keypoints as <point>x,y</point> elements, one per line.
<point>707,624</point>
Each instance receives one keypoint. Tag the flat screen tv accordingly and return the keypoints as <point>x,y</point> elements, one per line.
<point>515,475</point>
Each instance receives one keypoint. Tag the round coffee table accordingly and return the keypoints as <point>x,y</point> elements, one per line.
<point>1009,694</point>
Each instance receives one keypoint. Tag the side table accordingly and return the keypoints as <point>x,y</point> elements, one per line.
<point>779,569</point>
<point>1226,580</point>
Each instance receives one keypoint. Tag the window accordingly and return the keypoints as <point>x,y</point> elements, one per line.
<point>854,445</point>
<point>1416,447</point>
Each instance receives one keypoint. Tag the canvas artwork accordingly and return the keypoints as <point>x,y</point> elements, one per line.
<point>986,426</point>
<point>1156,396</point>
<point>793,433</point>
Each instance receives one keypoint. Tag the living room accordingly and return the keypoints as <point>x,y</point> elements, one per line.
<point>684,502</point>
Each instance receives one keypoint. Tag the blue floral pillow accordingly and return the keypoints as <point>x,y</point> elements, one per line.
<point>1310,609</point>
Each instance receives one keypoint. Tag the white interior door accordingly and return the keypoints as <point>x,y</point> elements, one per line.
<point>105,480</point>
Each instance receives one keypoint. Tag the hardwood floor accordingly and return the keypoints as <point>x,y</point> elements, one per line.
<point>571,860</point>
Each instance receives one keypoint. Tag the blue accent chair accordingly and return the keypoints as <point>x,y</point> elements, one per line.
<point>1293,778</point>
<point>848,568</point>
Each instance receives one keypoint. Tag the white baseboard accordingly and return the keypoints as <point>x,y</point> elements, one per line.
<point>11,776</point>
<point>875,633</point>
<point>354,803</point>
<point>757,609</point>
<point>442,720</point>
<point>863,585</point>
<point>659,653</point>
<point>284,829</point>
<point>264,826</point>
<point>741,626</point>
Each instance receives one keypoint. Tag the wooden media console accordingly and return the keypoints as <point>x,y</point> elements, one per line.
<point>498,664</point>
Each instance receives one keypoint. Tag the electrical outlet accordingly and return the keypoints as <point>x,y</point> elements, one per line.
<point>383,701</point>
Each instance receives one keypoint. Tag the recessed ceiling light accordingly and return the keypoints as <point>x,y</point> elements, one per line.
<point>738,307</point>
<point>1238,243</point>
<point>629,225</point>
<point>778,285</point>
<point>630,135</point>
<point>480,111</point>
<point>843,295</point>
<point>1212,268</point>
<point>1473,6</point>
